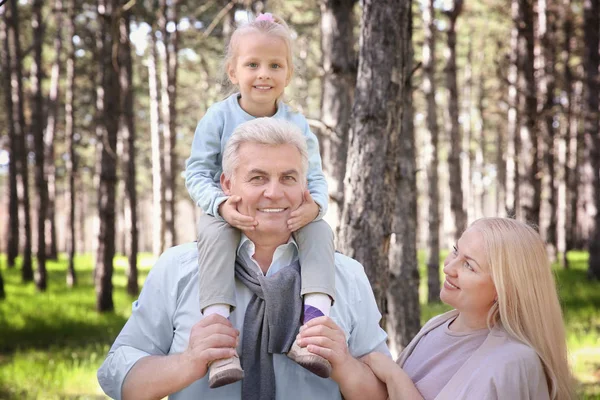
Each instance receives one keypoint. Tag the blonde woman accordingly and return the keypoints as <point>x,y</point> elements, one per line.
<point>505,338</point>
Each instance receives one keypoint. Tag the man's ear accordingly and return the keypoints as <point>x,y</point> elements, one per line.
<point>226,184</point>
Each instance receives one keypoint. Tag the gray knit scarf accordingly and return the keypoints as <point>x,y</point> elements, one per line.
<point>271,323</point>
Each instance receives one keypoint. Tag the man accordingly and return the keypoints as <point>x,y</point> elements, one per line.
<point>166,346</point>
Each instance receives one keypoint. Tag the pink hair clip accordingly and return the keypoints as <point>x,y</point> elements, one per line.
<point>265,17</point>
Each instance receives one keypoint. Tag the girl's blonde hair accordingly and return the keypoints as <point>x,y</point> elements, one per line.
<point>277,27</point>
<point>527,307</point>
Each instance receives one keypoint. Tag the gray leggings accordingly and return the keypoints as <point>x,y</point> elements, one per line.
<point>217,245</point>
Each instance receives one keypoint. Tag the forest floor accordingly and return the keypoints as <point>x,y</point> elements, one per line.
<point>52,343</point>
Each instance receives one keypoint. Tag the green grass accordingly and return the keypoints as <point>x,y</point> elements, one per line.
<point>52,343</point>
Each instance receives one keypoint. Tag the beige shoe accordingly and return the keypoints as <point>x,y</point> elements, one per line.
<point>224,371</point>
<point>312,362</point>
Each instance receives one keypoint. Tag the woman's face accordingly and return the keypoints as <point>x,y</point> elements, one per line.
<point>468,286</point>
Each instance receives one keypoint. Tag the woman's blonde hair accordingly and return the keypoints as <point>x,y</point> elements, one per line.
<point>527,306</point>
<point>272,26</point>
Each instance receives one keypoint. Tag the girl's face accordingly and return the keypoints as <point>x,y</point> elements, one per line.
<point>468,286</point>
<point>261,71</point>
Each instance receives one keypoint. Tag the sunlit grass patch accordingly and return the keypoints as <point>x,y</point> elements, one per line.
<point>53,342</point>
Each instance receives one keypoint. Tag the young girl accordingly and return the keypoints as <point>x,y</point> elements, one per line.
<point>259,62</point>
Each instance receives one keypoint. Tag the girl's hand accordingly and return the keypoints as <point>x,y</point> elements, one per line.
<point>230,213</point>
<point>305,214</point>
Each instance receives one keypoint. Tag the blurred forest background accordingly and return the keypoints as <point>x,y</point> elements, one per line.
<point>430,114</point>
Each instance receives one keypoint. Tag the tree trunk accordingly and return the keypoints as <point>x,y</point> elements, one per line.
<point>530,184</point>
<point>37,129</point>
<point>339,80</point>
<point>128,134</point>
<point>569,134</point>
<point>404,313</point>
<point>481,192</point>
<point>592,123</point>
<point>158,205</point>
<point>12,247</point>
<point>53,96</point>
<point>547,85</point>
<point>429,88</point>
<point>108,99</point>
<point>454,157</point>
<point>512,199</point>
<point>168,76</point>
<point>71,161</point>
<point>20,152</point>
<point>371,172</point>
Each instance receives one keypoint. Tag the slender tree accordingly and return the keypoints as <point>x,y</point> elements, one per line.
<point>429,88</point>
<point>108,100</point>
<point>20,151</point>
<point>167,15</point>
<point>128,135</point>
<point>37,128</point>
<point>70,163</point>
<point>569,134</point>
<point>50,135</point>
<point>454,156</point>
<point>13,205</point>
<point>158,198</point>
<point>530,186</point>
<point>592,122</point>
<point>339,80</point>
<point>512,198</point>
<point>546,32</point>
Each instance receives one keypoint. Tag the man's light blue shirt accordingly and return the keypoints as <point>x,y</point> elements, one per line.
<point>204,166</point>
<point>167,309</point>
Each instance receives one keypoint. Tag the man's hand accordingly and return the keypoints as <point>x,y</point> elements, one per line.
<point>322,336</point>
<point>228,210</point>
<point>305,214</point>
<point>211,339</point>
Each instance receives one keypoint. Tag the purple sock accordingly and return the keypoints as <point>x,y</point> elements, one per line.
<point>311,312</point>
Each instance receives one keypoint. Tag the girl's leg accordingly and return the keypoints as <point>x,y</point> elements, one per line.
<point>316,251</point>
<point>217,244</point>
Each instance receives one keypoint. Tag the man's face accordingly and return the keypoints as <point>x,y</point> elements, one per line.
<point>270,182</point>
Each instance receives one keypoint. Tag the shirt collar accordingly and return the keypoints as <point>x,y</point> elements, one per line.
<point>284,255</point>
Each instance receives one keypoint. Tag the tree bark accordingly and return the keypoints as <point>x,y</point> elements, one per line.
<point>371,171</point>
<point>404,311</point>
<point>339,80</point>
<point>429,88</point>
<point>128,135</point>
<point>37,129</point>
<point>71,161</point>
<point>53,100</point>
<point>20,151</point>
<point>109,100</point>
<point>454,157</point>
<point>592,122</point>
<point>12,247</point>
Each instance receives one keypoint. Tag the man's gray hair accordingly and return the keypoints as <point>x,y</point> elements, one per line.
<point>268,131</point>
